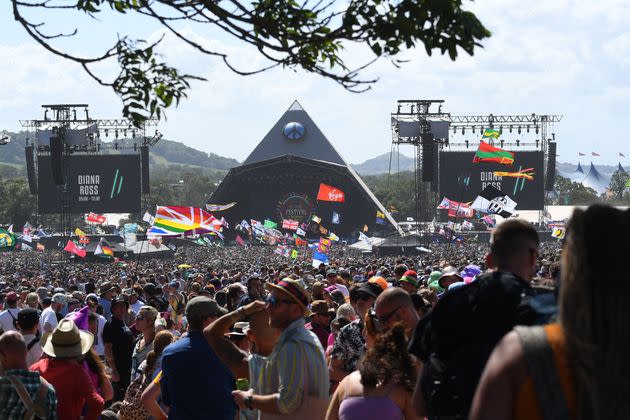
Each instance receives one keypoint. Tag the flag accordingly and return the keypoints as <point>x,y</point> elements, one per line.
<point>300,232</point>
<point>27,228</point>
<point>26,247</point>
<point>467,225</point>
<point>558,233</point>
<point>148,218</point>
<point>130,228</point>
<point>225,223</point>
<point>319,258</point>
<point>594,154</point>
<point>333,237</point>
<point>42,234</point>
<point>581,154</point>
<point>245,224</point>
<point>130,239</point>
<point>103,250</point>
<point>290,224</point>
<point>323,230</point>
<point>170,245</point>
<point>460,210</point>
<point>490,133</point>
<point>268,224</point>
<point>27,238</point>
<point>7,239</point>
<point>489,220</point>
<point>10,229</point>
<point>84,240</point>
<point>294,254</point>
<point>622,155</point>
<point>316,219</point>
<point>328,193</point>
<point>492,200</point>
<point>363,237</point>
<point>220,207</point>
<point>444,204</point>
<point>177,220</point>
<point>282,250</point>
<point>300,242</point>
<point>95,218</point>
<point>524,173</point>
<point>488,153</point>
<point>336,218</point>
<point>79,232</point>
<point>380,218</point>
<point>74,249</point>
<point>240,240</point>
<point>40,247</point>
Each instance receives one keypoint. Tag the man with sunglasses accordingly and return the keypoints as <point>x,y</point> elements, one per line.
<point>395,305</point>
<point>299,365</point>
<point>350,345</point>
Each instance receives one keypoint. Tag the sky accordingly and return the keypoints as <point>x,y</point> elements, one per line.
<point>546,57</point>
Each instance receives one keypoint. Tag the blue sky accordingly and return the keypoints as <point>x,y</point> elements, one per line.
<point>556,57</point>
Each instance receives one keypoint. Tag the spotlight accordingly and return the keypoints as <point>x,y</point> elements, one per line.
<point>473,128</point>
<point>463,130</point>
<point>519,129</point>
<point>536,129</point>
<point>106,132</point>
<point>528,128</point>
<point>518,143</point>
<point>537,141</point>
<point>116,144</point>
<point>510,129</point>
<point>502,141</point>
<point>116,133</point>
<point>467,142</point>
<point>125,133</point>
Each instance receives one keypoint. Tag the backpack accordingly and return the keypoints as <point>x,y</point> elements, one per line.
<point>37,409</point>
<point>455,339</point>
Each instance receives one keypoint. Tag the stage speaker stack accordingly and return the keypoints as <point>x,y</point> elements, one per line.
<point>551,166</point>
<point>56,159</point>
<point>30,169</point>
<point>434,179</point>
<point>144,163</point>
<point>427,157</point>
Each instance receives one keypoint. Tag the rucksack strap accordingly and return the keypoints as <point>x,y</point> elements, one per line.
<point>24,397</point>
<point>38,407</point>
<point>542,369</point>
<point>33,342</point>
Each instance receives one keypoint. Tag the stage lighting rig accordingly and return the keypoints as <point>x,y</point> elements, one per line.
<point>153,140</point>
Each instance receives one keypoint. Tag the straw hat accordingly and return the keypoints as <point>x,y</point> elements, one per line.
<point>295,289</point>
<point>66,341</point>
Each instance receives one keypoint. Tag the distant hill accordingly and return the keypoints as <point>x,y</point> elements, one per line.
<point>381,164</point>
<point>165,153</point>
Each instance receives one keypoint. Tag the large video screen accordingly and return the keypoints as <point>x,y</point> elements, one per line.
<point>103,184</point>
<point>462,180</point>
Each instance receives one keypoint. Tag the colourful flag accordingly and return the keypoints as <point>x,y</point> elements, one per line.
<point>488,153</point>
<point>489,220</point>
<point>558,233</point>
<point>300,232</point>
<point>492,200</point>
<point>84,240</point>
<point>525,174</point>
<point>7,239</point>
<point>294,254</point>
<point>102,250</point>
<point>380,218</point>
<point>240,240</point>
<point>220,207</point>
<point>79,232</point>
<point>490,133</point>
<point>444,204</point>
<point>300,242</point>
<point>460,210</point>
<point>333,237</point>
<point>181,220</point>
<point>268,224</point>
<point>594,154</point>
<point>316,219</point>
<point>290,224</point>
<point>95,218</point>
<point>74,249</point>
<point>319,258</point>
<point>328,193</point>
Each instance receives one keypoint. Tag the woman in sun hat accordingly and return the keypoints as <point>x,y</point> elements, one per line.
<point>66,346</point>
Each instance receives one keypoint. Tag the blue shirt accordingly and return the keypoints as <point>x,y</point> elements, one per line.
<point>195,384</point>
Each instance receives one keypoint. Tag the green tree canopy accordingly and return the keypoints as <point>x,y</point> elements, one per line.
<point>571,193</point>
<point>310,35</point>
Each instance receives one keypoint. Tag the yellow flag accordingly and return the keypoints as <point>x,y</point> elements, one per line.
<point>79,232</point>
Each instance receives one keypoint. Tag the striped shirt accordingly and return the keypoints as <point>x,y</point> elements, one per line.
<point>299,364</point>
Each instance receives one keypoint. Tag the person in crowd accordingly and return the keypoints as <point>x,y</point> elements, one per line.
<point>456,338</point>
<point>150,397</point>
<point>107,293</point>
<point>251,365</point>
<point>8,317</point>
<point>321,316</point>
<point>176,301</point>
<point>298,359</point>
<point>65,347</point>
<point>382,386</point>
<point>28,325</point>
<point>49,319</point>
<point>134,302</point>
<point>32,301</point>
<point>15,378</point>
<point>395,305</point>
<point>255,290</point>
<point>96,324</point>
<point>234,293</point>
<point>194,382</point>
<point>145,323</point>
<point>575,368</point>
<point>409,281</point>
<point>350,345</point>
<point>119,344</point>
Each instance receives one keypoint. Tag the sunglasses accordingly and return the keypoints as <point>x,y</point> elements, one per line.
<point>361,296</point>
<point>274,301</point>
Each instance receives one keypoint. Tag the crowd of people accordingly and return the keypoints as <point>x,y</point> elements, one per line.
<point>516,328</point>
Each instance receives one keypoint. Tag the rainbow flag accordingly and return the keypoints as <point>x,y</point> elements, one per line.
<point>177,220</point>
<point>489,153</point>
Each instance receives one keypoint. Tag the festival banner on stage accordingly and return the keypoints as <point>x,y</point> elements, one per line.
<point>329,193</point>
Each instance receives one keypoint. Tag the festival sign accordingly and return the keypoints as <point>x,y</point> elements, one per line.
<point>294,206</point>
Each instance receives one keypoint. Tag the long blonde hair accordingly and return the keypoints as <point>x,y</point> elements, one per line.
<point>594,309</point>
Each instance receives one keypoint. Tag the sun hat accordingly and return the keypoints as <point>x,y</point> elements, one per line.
<point>105,287</point>
<point>449,272</point>
<point>66,341</point>
<point>239,329</point>
<point>321,307</point>
<point>410,277</point>
<point>294,288</point>
<point>119,299</point>
<point>80,318</point>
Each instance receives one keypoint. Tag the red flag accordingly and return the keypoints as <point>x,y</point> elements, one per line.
<point>594,154</point>
<point>240,240</point>
<point>290,224</point>
<point>73,248</point>
<point>328,193</point>
<point>96,218</point>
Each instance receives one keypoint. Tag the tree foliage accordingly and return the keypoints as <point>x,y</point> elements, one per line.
<point>397,190</point>
<point>310,35</point>
<point>617,184</point>
<point>571,193</point>
<point>17,205</point>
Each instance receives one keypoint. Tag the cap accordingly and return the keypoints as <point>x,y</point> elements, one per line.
<point>119,299</point>
<point>371,289</point>
<point>410,277</point>
<point>203,307</point>
<point>380,281</point>
<point>105,287</point>
<point>59,298</point>
<point>11,297</point>
<point>174,284</point>
<point>331,272</point>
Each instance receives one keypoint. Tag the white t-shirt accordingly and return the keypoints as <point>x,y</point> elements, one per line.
<point>136,306</point>
<point>35,353</point>
<point>48,317</point>
<point>99,346</point>
<point>6,320</point>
